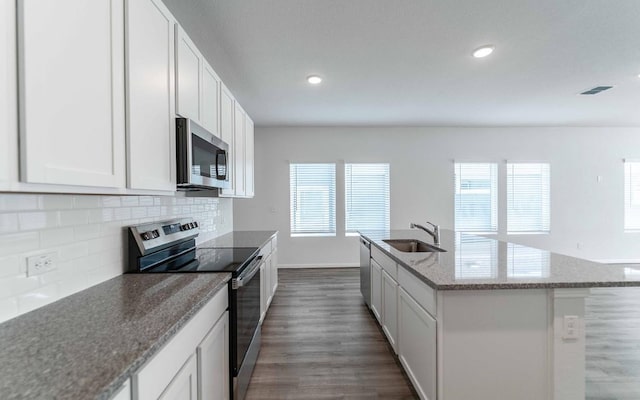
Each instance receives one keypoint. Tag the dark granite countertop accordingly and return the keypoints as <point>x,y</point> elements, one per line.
<point>87,345</point>
<point>240,239</point>
<point>474,262</point>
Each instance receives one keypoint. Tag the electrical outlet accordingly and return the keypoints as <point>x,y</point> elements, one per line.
<point>571,327</point>
<point>41,263</point>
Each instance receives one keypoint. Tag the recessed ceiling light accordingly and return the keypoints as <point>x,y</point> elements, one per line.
<point>314,79</point>
<point>483,51</point>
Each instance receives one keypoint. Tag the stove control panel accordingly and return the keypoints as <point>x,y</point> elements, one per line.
<point>160,234</point>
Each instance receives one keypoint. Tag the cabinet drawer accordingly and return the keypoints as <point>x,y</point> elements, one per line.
<point>154,377</point>
<point>421,292</point>
<point>265,250</point>
<point>385,262</point>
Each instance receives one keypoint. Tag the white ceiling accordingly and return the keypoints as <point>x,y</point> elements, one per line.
<point>408,62</point>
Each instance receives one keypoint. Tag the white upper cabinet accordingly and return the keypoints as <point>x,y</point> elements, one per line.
<point>249,155</point>
<point>210,98</point>
<point>227,106</point>
<point>239,151</point>
<point>198,85</point>
<point>151,150</point>
<point>189,76</point>
<point>72,101</point>
<point>8,93</point>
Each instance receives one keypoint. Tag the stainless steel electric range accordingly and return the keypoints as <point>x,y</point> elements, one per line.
<point>170,247</point>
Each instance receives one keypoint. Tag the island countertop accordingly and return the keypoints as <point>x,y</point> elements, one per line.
<point>87,345</point>
<point>473,262</point>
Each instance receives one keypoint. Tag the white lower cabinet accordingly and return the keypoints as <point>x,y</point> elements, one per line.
<point>376,290</point>
<point>200,348</point>
<point>417,345</point>
<point>268,276</point>
<point>390,309</point>
<point>184,385</point>
<point>124,393</point>
<point>213,362</point>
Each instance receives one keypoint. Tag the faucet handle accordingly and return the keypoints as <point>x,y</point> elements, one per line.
<point>433,225</point>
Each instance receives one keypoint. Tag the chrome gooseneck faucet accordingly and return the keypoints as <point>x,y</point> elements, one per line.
<point>435,233</point>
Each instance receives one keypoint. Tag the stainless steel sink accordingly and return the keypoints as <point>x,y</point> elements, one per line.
<point>412,246</point>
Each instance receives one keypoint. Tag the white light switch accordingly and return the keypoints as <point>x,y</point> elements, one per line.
<point>571,327</point>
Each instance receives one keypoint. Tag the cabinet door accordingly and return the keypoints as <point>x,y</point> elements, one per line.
<point>72,112</point>
<point>239,151</point>
<point>417,345</point>
<point>274,271</point>
<point>124,393</point>
<point>249,154</point>
<point>376,290</point>
<point>184,385</point>
<point>268,280</point>
<point>8,94</point>
<point>188,76</point>
<point>210,95</point>
<point>213,362</point>
<point>226,131</point>
<point>390,309</point>
<point>263,293</point>
<point>151,96</point>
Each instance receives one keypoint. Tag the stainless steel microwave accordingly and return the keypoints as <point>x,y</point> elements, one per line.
<point>201,159</point>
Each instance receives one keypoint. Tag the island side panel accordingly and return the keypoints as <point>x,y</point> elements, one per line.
<point>494,344</point>
<point>569,343</point>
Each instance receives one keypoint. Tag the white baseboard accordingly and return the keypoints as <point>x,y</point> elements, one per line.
<point>619,261</point>
<point>345,265</point>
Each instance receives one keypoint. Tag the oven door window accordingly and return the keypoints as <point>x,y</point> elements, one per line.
<point>207,160</point>
<point>248,317</point>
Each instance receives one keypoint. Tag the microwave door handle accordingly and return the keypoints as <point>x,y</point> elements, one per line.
<point>219,154</point>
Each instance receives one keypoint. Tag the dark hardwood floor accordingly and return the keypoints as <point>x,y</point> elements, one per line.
<point>613,344</point>
<point>319,341</point>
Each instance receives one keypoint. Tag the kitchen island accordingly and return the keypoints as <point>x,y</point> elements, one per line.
<point>486,319</point>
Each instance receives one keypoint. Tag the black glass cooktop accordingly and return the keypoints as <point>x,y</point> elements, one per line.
<point>224,259</point>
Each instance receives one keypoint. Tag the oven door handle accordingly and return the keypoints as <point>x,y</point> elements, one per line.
<point>245,278</point>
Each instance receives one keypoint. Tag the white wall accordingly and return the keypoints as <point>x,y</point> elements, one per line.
<point>87,233</point>
<point>582,210</point>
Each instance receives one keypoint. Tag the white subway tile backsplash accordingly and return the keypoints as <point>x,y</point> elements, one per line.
<point>8,309</point>
<point>74,217</point>
<point>8,223</point>
<point>129,201</point>
<point>111,201</point>
<point>19,202</point>
<point>55,237</point>
<point>37,298</point>
<point>9,266</point>
<point>88,201</point>
<point>88,234</point>
<point>19,242</point>
<point>55,202</point>
<point>29,221</point>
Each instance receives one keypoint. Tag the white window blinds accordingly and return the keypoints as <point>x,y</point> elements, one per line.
<point>528,198</point>
<point>366,197</point>
<point>313,199</point>
<point>476,197</point>
<point>632,196</point>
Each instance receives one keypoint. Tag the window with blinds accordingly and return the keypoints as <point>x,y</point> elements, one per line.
<point>366,197</point>
<point>476,197</point>
<point>632,196</point>
<point>528,198</point>
<point>312,199</point>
